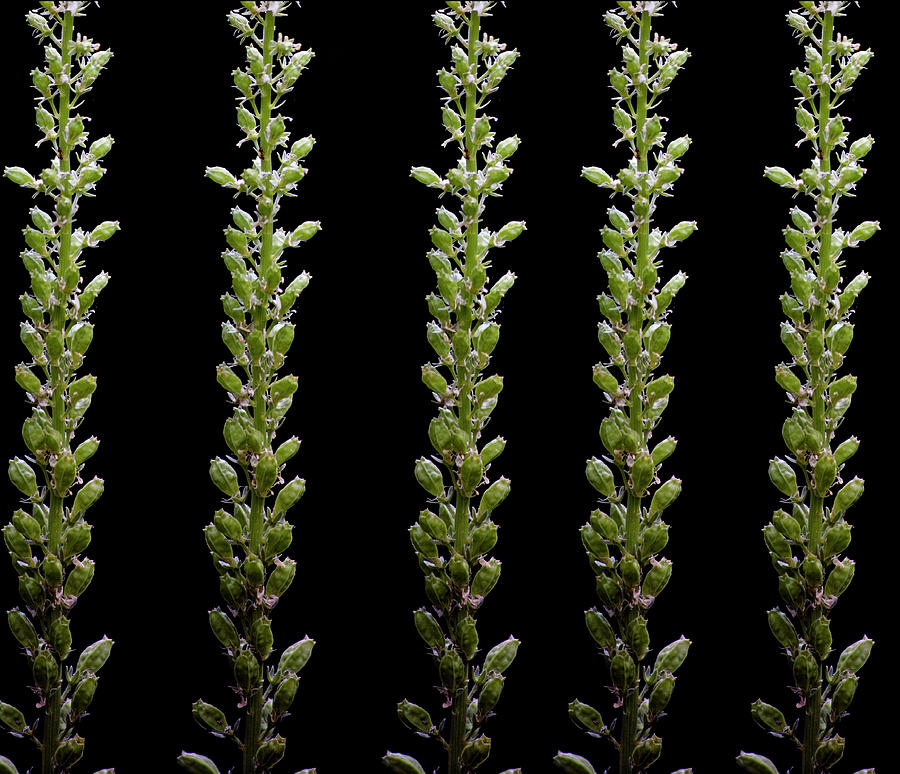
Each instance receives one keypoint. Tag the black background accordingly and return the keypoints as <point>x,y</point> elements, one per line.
<point>371,100</point>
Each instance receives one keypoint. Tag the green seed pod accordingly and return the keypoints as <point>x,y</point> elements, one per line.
<point>459,570</point>
<point>782,476</point>
<point>471,473</point>
<point>65,471</point>
<point>490,695</point>
<point>467,637</point>
<point>756,764</point>
<point>495,494</point>
<point>843,695</point>
<point>414,717</point>
<point>84,694</point>
<point>79,578</point>
<point>654,539</point>
<point>630,571</point>
<point>593,542</point>
<point>623,671</point>
<point>665,495</point>
<point>229,526</point>
<point>61,637</point>
<point>223,628</point>
<point>659,388</point>
<point>402,764</point>
<point>486,578</point>
<point>82,388</point>
<point>842,388</point>
<point>638,637</point>
<point>605,525</point>
<point>824,473</point>
<point>501,656</point>
<point>642,473</point>
<point>609,591</point>
<point>289,495</point>
<point>658,336</point>
<point>787,526</point>
<point>86,449</point>
<point>812,571</point>
<point>661,695</point>
<point>600,476</point>
<point>476,752</point>
<point>69,752</point>
<point>26,525</point>
<point>429,477</point>
<point>261,637</point>
<point>657,578</point>
<point>428,629</point>
<point>294,658</point>
<point>287,450</point>
<point>33,435</point>
<point>281,337</point>
<point>285,694</point>
<point>605,380</point>
<point>422,542</point>
<point>277,540</point>
<point>672,656</point>
<point>839,337</point>
<point>452,670</point>
<point>492,450</point>
<point>224,477</point>
<point>820,637</point>
<point>647,752</point>
<point>663,450</point>
<point>829,752</point>
<point>266,473</point>
<point>433,380</point>
<point>767,717</point>
<point>15,542</point>
<point>484,538</point>
<point>791,591</point>
<point>94,656</point>
<point>573,764</point>
<point>229,380</point>
<point>611,436</point>
<point>26,379</point>
<point>76,539</point>
<point>783,629</point>
<point>12,718</point>
<point>846,450</point>
<point>217,543</point>
<point>600,629</point>
<point>270,752</point>
<point>855,656</point>
<point>45,670</point>
<point>209,716</point>
<point>806,671</point>
<point>22,477</point>
<point>847,496</point>
<point>839,578</point>
<point>247,671</point>
<point>837,539</point>
<point>586,717</point>
<point>194,763</point>
<point>281,578</point>
<point>776,542</point>
<point>22,629</point>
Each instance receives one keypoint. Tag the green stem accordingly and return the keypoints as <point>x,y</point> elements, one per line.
<point>820,376</point>
<point>635,382</point>
<point>461,522</point>
<point>58,373</point>
<point>260,382</point>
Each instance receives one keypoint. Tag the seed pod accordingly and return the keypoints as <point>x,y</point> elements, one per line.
<point>659,388</point>
<point>294,658</point>
<point>414,717</point>
<point>45,670</point>
<point>600,629</point>
<point>224,629</point>
<point>94,656</point>
<point>476,752</point>
<point>839,578</point>
<point>452,670</point>
<point>194,763</point>
<point>247,671</point>
<point>846,450</point>
<point>61,637</point>
<point>484,538</point>
<point>812,571</point>
<point>31,592</point>
<point>829,752</point>
<point>855,656</point>
<point>820,637</point>
<point>22,629</point>
<point>277,539</point>
<point>661,695</point>
<point>573,764</point>
<point>84,694</point>
<point>471,473</point>
<point>787,526</point>
<point>654,539</point>
<point>609,591</point>
<point>806,671</point>
<point>12,718</point>
<point>15,542</point>
<point>600,476</point>
<point>22,477</point>
<point>209,716</point>
<point>843,695</point>
<point>69,752</point>
<point>756,764</point>
<point>459,570</point>
<point>791,591</point>
<point>663,450</point>
<point>824,473</point>
<point>657,578</point>
<point>586,717</point>
<point>665,495</point>
<point>837,539</point>
<point>647,752</point>
<point>783,629</point>
<point>281,578</point>
<point>642,472</point>
<point>672,656</point>
<point>486,578</point>
<point>217,543</point>
<point>623,670</point>
<point>76,539</point>
<point>501,656</point>
<point>606,526</point>
<point>593,542</point>
<point>495,494</point>
<point>270,752</point>
<point>402,764</point>
<point>638,637</point>
<point>428,629</point>
<point>630,571</point>
<point>429,477</point>
<point>79,578</point>
<point>783,477</point>
<point>847,496</point>
<point>289,495</point>
<point>224,477</point>
<point>261,637</point>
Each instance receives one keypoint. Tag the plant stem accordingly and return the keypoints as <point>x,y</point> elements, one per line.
<point>461,525</point>
<point>635,383</point>
<point>57,372</point>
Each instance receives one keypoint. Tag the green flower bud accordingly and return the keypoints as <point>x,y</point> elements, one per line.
<point>194,763</point>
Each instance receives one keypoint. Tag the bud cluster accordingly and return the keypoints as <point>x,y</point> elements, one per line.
<point>453,539</point>
<point>808,537</point>
<point>48,534</point>
<point>624,538</point>
<point>249,536</point>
